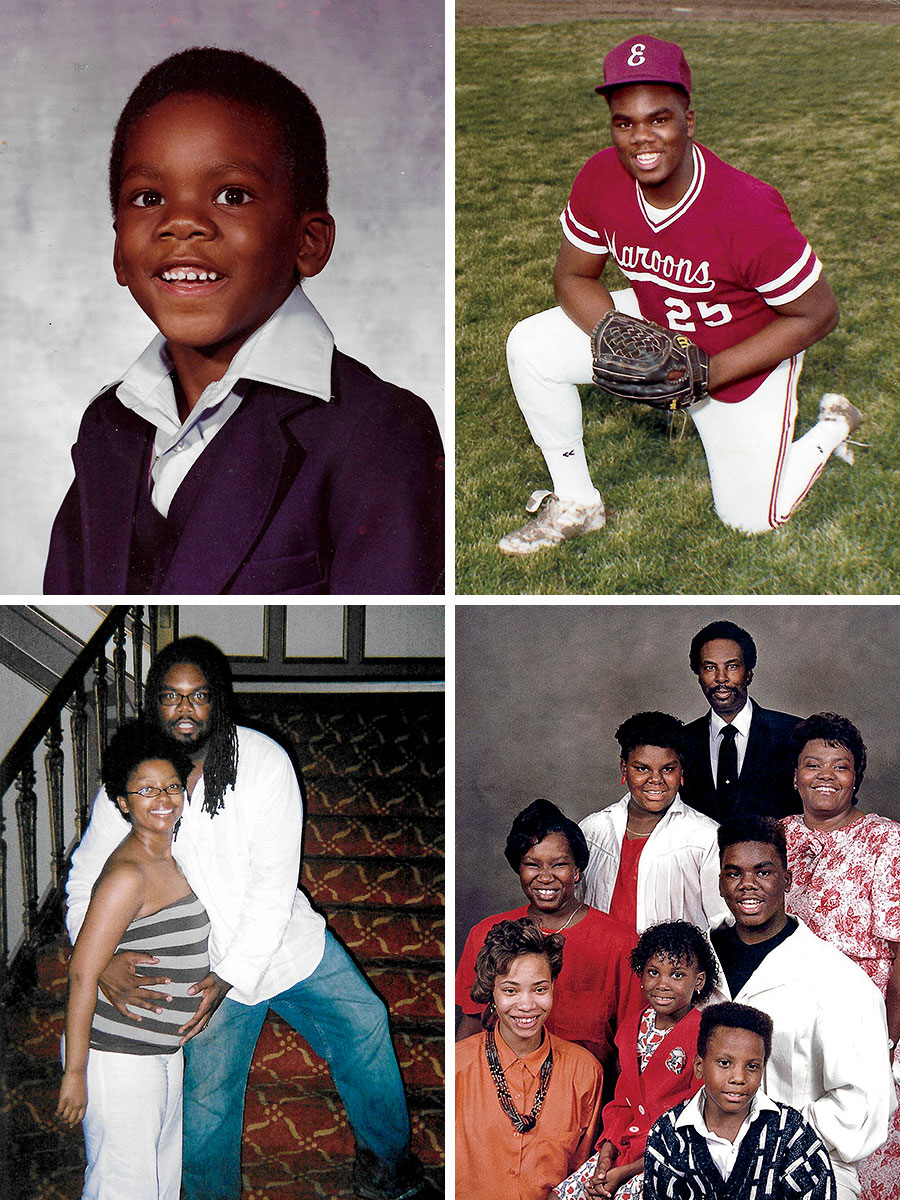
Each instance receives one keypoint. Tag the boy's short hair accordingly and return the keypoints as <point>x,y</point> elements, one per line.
<point>237,77</point>
<point>729,1015</point>
<point>677,942</point>
<point>751,827</point>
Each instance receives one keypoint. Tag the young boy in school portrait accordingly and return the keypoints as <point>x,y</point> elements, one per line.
<point>242,452</point>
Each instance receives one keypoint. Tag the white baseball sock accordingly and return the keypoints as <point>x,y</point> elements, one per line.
<point>569,471</point>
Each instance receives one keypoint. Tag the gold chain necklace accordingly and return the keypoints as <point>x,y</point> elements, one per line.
<point>574,914</point>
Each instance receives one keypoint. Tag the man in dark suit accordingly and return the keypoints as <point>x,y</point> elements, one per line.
<point>736,756</point>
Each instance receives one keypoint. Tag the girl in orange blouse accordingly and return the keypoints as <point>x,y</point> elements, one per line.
<point>527,1102</point>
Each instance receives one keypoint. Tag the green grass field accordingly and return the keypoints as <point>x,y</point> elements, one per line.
<point>807,107</point>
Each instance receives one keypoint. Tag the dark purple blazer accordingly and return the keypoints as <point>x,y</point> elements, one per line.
<point>294,495</point>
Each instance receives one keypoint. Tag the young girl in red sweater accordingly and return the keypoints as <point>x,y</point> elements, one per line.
<point>656,1047</point>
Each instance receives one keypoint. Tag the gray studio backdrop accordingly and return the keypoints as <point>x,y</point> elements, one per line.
<point>376,73</point>
<point>541,690</point>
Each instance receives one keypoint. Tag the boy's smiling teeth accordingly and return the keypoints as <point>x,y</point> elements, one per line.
<point>189,274</point>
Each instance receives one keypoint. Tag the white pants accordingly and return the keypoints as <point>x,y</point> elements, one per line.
<point>132,1127</point>
<point>757,473</point>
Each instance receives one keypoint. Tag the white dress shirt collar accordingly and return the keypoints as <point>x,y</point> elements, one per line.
<point>723,1153</point>
<point>741,722</point>
<point>741,726</point>
<point>292,350</point>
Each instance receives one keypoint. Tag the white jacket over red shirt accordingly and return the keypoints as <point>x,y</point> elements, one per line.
<point>678,873</point>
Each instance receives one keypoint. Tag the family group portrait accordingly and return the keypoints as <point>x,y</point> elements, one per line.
<point>700,995</point>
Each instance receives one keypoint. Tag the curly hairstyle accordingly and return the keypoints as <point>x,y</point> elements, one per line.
<point>221,761</point>
<point>729,631</point>
<point>834,731</point>
<point>134,743</point>
<point>533,824</point>
<point>651,729</point>
<point>729,1015</point>
<point>506,941</point>
<point>677,942</point>
<point>236,77</point>
<point>750,827</point>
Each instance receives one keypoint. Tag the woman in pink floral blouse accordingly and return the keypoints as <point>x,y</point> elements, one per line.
<point>846,886</point>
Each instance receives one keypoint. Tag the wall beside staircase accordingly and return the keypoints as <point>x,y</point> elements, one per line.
<point>372,768</point>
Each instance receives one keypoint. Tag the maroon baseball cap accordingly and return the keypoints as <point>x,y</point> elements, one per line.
<point>645,59</point>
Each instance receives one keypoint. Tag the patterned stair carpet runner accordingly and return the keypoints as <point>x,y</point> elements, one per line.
<point>372,767</point>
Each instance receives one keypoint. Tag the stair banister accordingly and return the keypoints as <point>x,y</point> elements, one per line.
<point>17,767</point>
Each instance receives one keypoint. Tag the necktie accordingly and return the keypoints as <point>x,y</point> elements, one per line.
<point>727,773</point>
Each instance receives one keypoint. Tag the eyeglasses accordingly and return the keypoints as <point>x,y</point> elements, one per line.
<point>197,699</point>
<point>153,793</point>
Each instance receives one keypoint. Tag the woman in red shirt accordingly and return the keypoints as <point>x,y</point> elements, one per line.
<point>597,988</point>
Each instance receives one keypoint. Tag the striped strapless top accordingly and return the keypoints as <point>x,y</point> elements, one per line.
<point>177,935</point>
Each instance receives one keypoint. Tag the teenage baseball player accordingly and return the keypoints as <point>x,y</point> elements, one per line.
<point>711,253</point>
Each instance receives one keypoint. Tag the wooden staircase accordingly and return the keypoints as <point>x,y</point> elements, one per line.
<point>372,766</point>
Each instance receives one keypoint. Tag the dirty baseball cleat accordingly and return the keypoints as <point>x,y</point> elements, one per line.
<point>834,407</point>
<point>556,522</point>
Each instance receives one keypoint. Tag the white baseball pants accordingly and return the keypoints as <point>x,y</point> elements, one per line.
<point>757,472</point>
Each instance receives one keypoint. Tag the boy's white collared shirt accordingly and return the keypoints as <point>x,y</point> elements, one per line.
<point>723,1153</point>
<point>293,350</point>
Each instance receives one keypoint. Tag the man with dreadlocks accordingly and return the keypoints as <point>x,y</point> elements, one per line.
<point>239,844</point>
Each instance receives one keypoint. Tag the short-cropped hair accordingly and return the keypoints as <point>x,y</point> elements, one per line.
<point>534,823</point>
<point>723,629</point>
<point>677,942</point>
<point>507,941</point>
<point>651,729</point>
<point>834,731</point>
<point>134,743</point>
<point>752,828</point>
<point>729,1015</point>
<point>240,79</point>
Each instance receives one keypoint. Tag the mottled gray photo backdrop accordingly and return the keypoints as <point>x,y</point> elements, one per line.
<point>376,73</point>
<point>541,690</point>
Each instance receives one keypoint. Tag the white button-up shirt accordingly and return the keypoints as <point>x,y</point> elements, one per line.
<point>721,1151</point>
<point>678,872</point>
<point>292,350</point>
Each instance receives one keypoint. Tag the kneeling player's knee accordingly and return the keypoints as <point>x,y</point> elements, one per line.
<point>748,523</point>
<point>518,344</point>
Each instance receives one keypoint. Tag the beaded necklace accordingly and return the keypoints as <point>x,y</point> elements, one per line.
<point>521,1123</point>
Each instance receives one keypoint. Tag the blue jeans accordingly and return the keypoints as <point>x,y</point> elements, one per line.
<point>338,1014</point>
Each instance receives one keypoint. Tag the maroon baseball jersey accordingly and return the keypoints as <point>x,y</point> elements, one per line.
<point>710,266</point>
